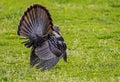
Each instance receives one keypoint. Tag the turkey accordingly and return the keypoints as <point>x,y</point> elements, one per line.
<point>48,45</point>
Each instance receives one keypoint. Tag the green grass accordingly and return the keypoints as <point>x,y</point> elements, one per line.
<point>91,29</point>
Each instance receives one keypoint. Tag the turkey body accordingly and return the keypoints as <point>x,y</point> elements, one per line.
<point>48,45</point>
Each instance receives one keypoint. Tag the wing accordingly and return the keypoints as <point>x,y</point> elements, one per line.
<point>49,53</point>
<point>43,58</point>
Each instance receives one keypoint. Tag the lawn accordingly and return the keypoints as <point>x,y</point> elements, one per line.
<point>91,29</point>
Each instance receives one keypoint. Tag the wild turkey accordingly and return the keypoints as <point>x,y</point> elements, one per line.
<point>47,43</point>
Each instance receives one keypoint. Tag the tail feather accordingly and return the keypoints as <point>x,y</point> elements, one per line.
<point>36,20</point>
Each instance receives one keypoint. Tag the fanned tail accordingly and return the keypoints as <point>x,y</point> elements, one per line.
<point>36,20</point>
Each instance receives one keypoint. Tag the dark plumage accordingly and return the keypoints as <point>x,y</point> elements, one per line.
<point>47,43</point>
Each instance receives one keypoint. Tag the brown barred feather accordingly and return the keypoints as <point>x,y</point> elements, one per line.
<point>35,20</point>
